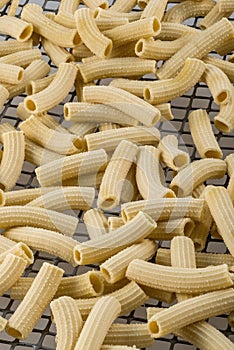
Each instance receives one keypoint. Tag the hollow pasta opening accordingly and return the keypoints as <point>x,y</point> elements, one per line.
<point>180,160</point>
<point>108,49</point>
<point>26,33</point>
<point>20,75</point>
<point>76,40</point>
<point>142,4</point>
<point>139,48</point>
<point>2,199</point>
<point>14,333</point>
<point>104,5</point>
<point>30,105</point>
<point>77,256</point>
<point>124,216</point>
<point>156,25</point>
<point>147,94</point>
<point>221,125</point>
<point>188,228</point>
<point>169,194</point>
<point>78,144</point>
<point>153,327</point>
<point>106,274</point>
<point>222,97</point>
<point>96,283</point>
<point>27,251</point>
<point>213,154</point>
<point>108,202</point>
<point>70,59</point>
<point>29,89</point>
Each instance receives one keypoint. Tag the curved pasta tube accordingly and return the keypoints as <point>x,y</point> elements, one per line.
<point>57,90</point>
<point>35,301</point>
<point>4,95</point>
<point>56,53</point>
<point>10,74</point>
<point>123,101</point>
<point>198,191</point>
<point>224,120</point>
<point>149,174</point>
<point>135,87</point>
<point>69,6</point>
<point>230,164</point>
<point>22,58</point>
<point>123,6</point>
<point>131,16</point>
<point>203,136</point>
<point>230,188</point>
<point>155,8</point>
<point>213,16</point>
<point>15,27</point>
<point>166,230</point>
<point>68,321</point>
<point>226,66</point>
<point>112,243</point>
<point>115,222</point>
<point>172,31</point>
<point>11,269</point>
<point>38,155</point>
<point>166,112</point>
<point>95,222</point>
<point>10,46</point>
<point>20,249</point>
<point>38,85</point>
<point>166,90</point>
<point>12,160</point>
<point>47,28</point>
<point>115,174</point>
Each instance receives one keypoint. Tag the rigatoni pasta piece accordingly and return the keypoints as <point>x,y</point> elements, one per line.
<point>230,164</point>
<point>8,47</point>
<point>68,321</point>
<point>166,230</point>
<point>172,31</point>
<point>131,16</point>
<point>90,34</point>
<point>69,6</point>
<point>123,6</point>
<point>203,135</point>
<point>93,4</point>
<point>98,322</point>
<point>155,8</point>
<point>107,23</point>
<point>101,248</point>
<point>56,53</point>
<point>35,301</point>
<point>226,66</point>
<point>95,222</point>
<point>114,268</point>
<point>38,155</point>
<point>135,87</point>
<point>38,85</point>
<point>15,27</point>
<point>165,90</point>
<point>230,188</point>
<point>226,5</point>
<point>4,95</point>
<point>22,58</point>
<point>224,120</point>
<point>196,173</point>
<point>18,249</point>
<point>116,172</point>
<point>13,8</point>
<point>4,128</point>
<point>114,222</point>
<point>57,90</point>
<point>166,112</point>
<point>10,74</point>
<point>213,16</point>
<point>149,174</point>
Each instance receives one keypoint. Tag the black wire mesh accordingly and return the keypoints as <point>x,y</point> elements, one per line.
<point>43,335</point>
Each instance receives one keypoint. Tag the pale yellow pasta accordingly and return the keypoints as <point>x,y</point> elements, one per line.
<point>135,87</point>
<point>56,53</point>
<point>226,5</point>
<point>101,248</point>
<point>107,23</point>
<point>224,120</point>
<point>115,222</point>
<point>3,323</point>
<point>164,209</point>
<point>102,315</point>
<point>21,250</point>
<point>10,74</point>
<point>93,4</point>
<point>200,233</point>
<point>166,112</point>
<point>10,46</point>
<point>35,86</point>
<point>57,90</point>
<point>179,13</point>
<point>123,6</point>
<point>143,28</point>
<point>149,174</point>
<point>46,27</point>
<point>118,347</point>
<point>166,230</point>
<point>126,50</point>
<point>130,191</point>
<point>203,135</point>
<point>172,31</point>
<point>68,321</point>
<point>35,302</point>
<point>13,8</point>
<point>230,188</point>
<point>204,43</point>
<point>131,16</point>
<point>44,240</point>
<point>3,3</point>
<point>11,269</point>
<point>196,173</point>
<point>115,174</point>
<point>14,216</point>
<point>4,94</point>
<point>69,6</point>
<point>213,16</point>
<point>221,208</point>
<point>91,180</point>
<point>114,268</point>
<point>90,34</point>
<point>155,8</point>
<point>220,86</point>
<point>12,159</point>
<point>165,90</point>
<point>38,155</point>
<point>230,164</point>
<point>131,296</point>
<point>5,127</point>
<point>122,100</point>
<point>225,47</point>
<point>225,66</point>
<point>191,311</point>
<point>110,288</point>
<point>15,27</point>
<point>95,222</point>
<point>161,295</point>
<point>55,172</point>
<point>80,52</point>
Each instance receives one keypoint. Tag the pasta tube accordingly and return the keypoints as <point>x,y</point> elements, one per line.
<point>57,90</point>
<point>69,6</point>
<point>10,46</point>
<point>110,288</point>
<point>166,230</point>
<point>110,244</point>
<point>10,74</point>
<point>107,308</point>
<point>44,240</point>
<point>13,8</point>
<point>11,269</point>
<point>123,101</point>
<point>95,222</point>
<point>15,27</point>
<point>224,120</point>
<point>203,136</point>
<point>21,250</point>
<point>213,16</point>
<point>225,66</point>
<point>35,301</point>
<point>123,6</point>
<point>91,180</point>
<point>4,95</point>
<point>93,4</point>
<point>165,90</point>
<point>68,320</point>
<point>230,164</point>
<point>35,86</point>
<point>38,155</point>
<point>115,174</point>
<point>47,28</point>
<point>221,208</point>
<point>12,159</point>
<point>155,8</point>
<point>230,188</point>
<point>132,16</point>
<point>149,174</point>
<point>226,5</point>
<point>172,31</point>
<point>56,53</point>
<point>22,58</point>
<point>55,172</point>
<point>115,222</point>
<point>90,34</point>
<point>196,173</point>
<point>135,87</point>
<point>114,268</point>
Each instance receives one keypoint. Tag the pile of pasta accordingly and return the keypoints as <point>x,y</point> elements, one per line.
<point>109,147</point>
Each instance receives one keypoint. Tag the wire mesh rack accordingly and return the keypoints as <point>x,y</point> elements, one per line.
<point>43,335</point>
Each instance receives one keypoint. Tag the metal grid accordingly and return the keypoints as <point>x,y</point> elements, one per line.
<point>43,335</point>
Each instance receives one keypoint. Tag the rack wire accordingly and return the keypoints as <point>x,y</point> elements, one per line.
<point>43,335</point>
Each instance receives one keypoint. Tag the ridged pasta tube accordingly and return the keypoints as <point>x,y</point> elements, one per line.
<point>4,128</point>
<point>226,66</point>
<point>69,6</point>
<point>196,173</point>
<point>16,28</point>
<point>123,6</point>
<point>95,222</point>
<point>149,174</point>
<point>10,74</point>
<point>38,155</point>
<point>230,164</point>
<point>116,172</point>
<point>38,85</point>
<point>123,101</point>
<point>90,34</point>
<point>4,95</point>
<point>114,268</point>
<point>102,315</point>
<point>10,46</point>
<point>55,172</point>
<point>115,222</point>
<point>213,16</point>
<point>172,31</point>
<point>110,139</point>
<point>135,87</point>
<point>35,301</point>
<point>203,135</point>
<point>12,160</point>
<point>68,321</point>
<point>155,8</point>
<point>166,230</point>
<point>57,90</point>
<point>46,27</point>
<point>224,120</point>
<point>165,90</point>
<point>44,240</point>
<point>56,53</point>
<point>226,5</point>
<point>22,58</point>
<point>230,188</point>
<point>93,4</point>
<point>101,248</point>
